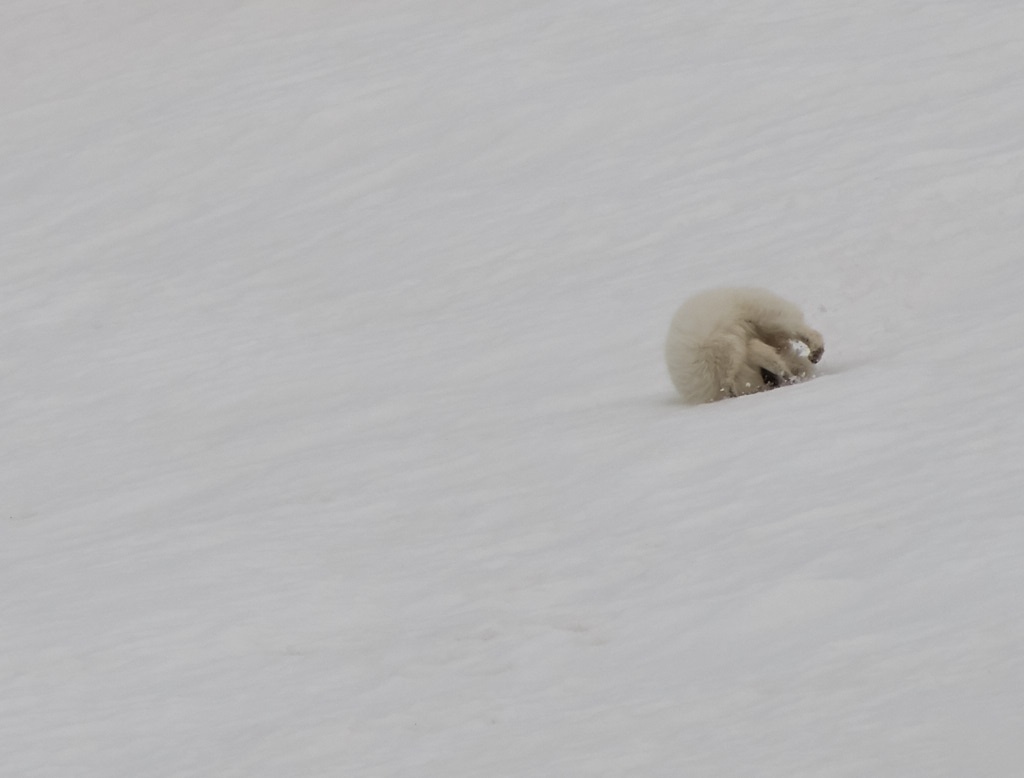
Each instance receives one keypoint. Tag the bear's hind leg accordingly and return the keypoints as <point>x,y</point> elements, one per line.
<point>766,359</point>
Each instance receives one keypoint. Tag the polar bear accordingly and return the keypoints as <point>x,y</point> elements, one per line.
<point>735,341</point>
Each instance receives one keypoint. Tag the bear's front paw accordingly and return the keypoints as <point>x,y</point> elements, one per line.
<point>815,345</point>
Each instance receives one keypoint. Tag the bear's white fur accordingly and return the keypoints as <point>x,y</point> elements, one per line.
<point>736,341</point>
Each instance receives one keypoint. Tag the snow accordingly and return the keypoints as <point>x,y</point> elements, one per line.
<point>336,434</point>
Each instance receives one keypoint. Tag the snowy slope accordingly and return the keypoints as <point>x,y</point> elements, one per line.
<point>336,435</point>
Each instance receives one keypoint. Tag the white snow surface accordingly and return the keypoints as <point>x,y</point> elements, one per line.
<point>336,436</point>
